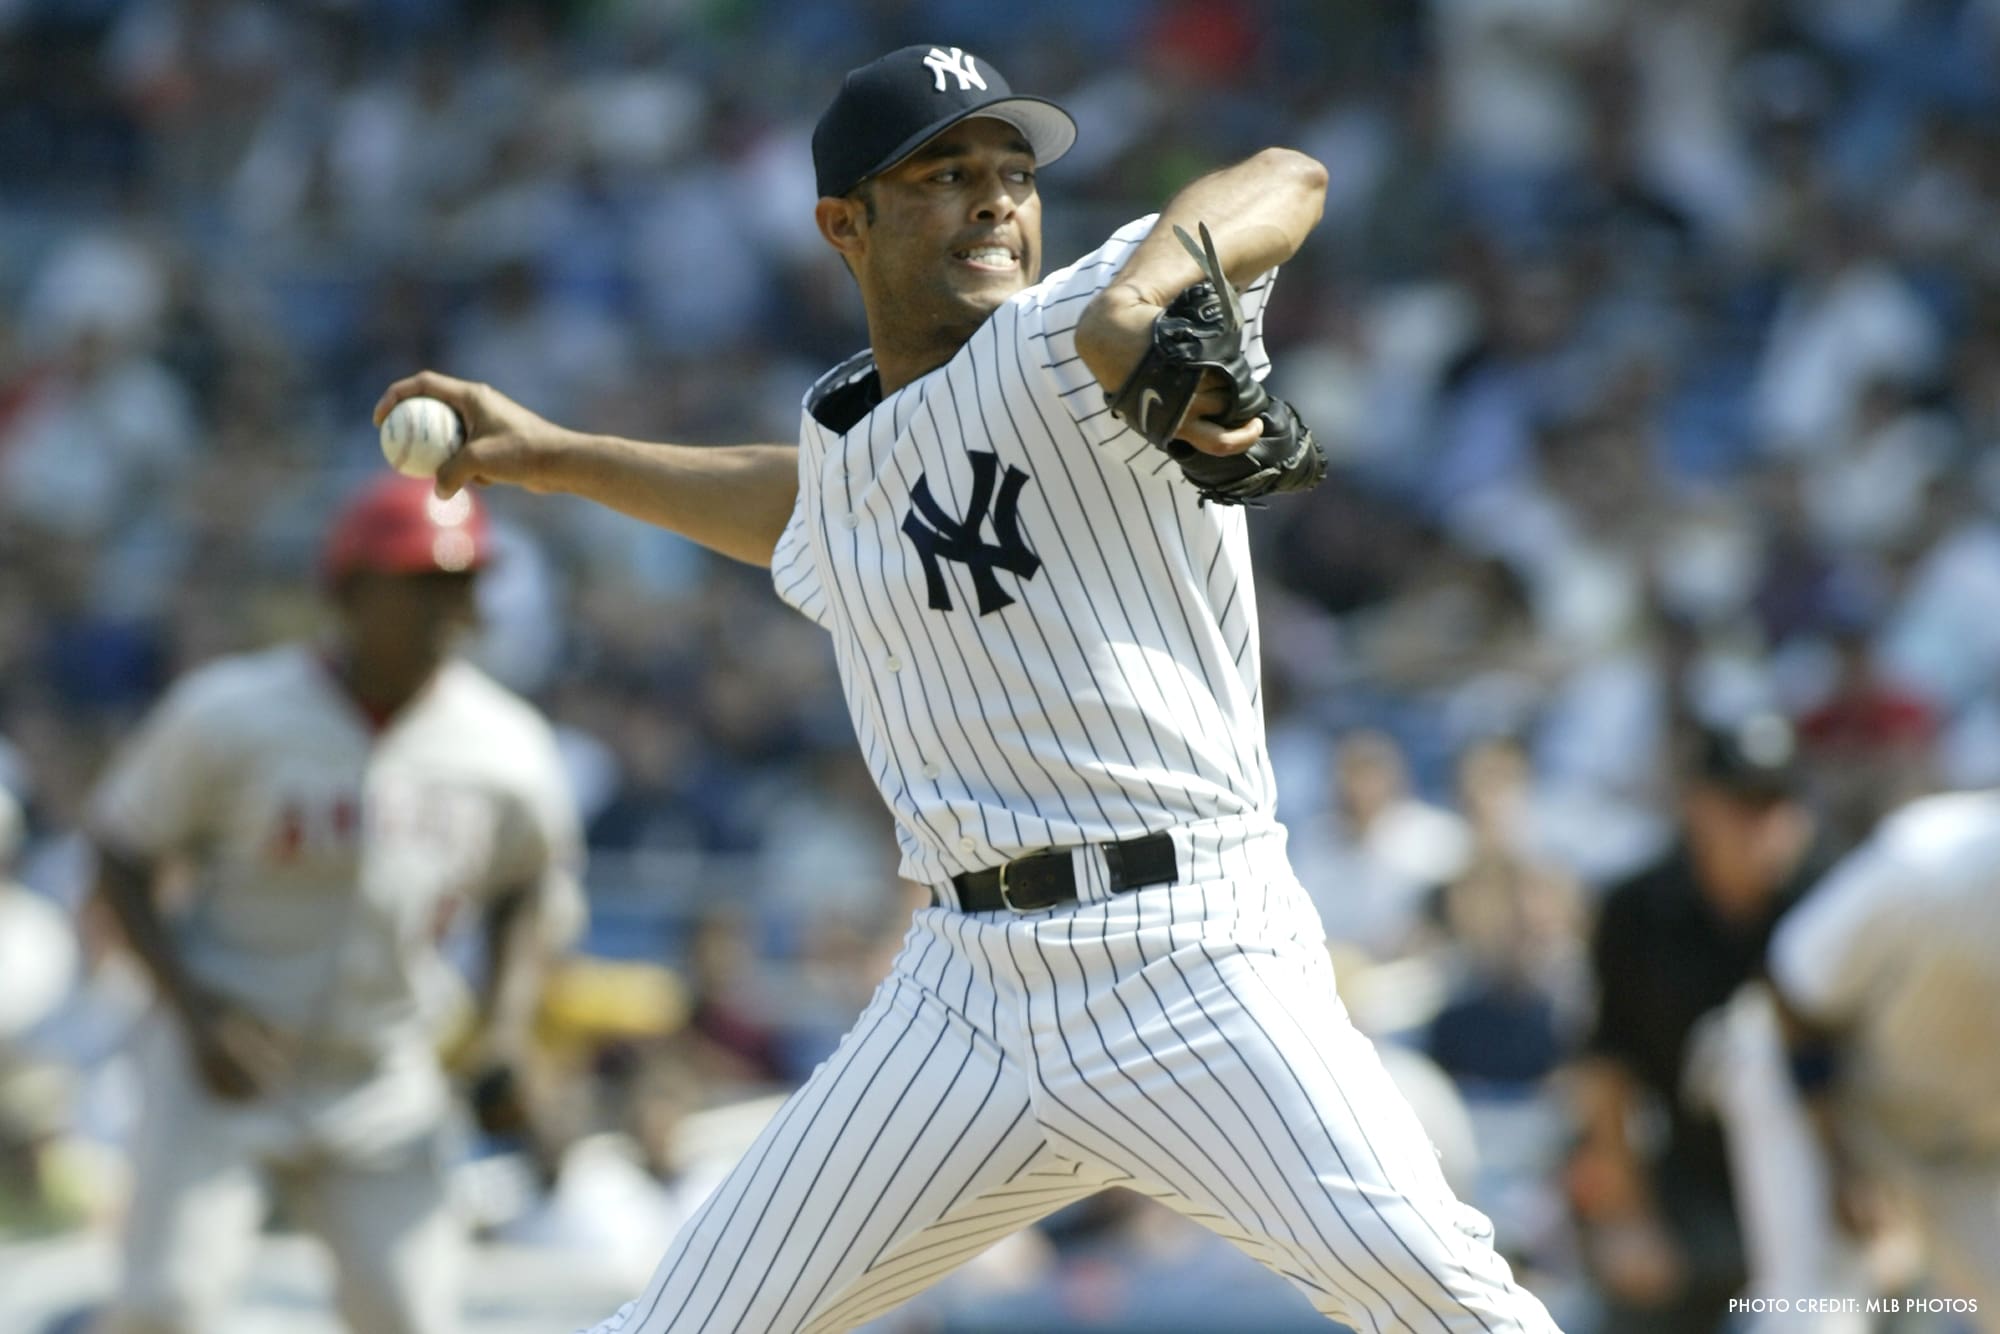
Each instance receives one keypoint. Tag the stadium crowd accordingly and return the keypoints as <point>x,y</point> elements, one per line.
<point>1656,342</point>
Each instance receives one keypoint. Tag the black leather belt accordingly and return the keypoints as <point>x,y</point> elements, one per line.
<point>1045,879</point>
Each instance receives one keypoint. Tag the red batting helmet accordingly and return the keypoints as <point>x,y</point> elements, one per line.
<point>397,525</point>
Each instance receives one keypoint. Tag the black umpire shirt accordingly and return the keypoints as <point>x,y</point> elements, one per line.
<point>1663,959</point>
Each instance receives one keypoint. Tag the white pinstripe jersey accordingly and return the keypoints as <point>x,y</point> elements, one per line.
<point>1043,637</point>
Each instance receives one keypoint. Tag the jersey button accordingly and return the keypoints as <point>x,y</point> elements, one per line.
<point>967,844</point>
<point>893,663</point>
<point>931,771</point>
<point>850,520</point>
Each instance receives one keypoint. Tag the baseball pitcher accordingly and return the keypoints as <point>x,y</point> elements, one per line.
<point>1020,516</point>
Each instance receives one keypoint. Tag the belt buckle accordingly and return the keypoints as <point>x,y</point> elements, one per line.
<point>1006,899</point>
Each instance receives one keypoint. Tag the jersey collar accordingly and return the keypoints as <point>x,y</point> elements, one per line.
<point>846,394</point>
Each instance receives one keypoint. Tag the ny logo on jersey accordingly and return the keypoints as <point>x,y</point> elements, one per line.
<point>956,63</point>
<point>937,536</point>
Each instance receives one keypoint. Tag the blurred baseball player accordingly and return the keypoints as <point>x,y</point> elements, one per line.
<point>1015,514</point>
<point>1888,986</point>
<point>335,806</point>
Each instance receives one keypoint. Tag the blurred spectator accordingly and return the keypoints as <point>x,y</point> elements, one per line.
<point>736,1042</point>
<point>1371,865</point>
<point>562,355</point>
<point>1496,790</point>
<point>620,1081</point>
<point>1867,743</point>
<point>1868,495</point>
<point>104,431</point>
<point>1560,823</point>
<point>1507,928</point>
<point>1650,1177</point>
<point>619,1196</point>
<point>1511,928</point>
<point>1938,636</point>
<point>1846,321</point>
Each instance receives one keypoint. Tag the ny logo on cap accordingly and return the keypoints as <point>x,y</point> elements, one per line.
<point>957,63</point>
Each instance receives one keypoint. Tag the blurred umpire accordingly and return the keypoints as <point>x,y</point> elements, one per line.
<point>325,811</point>
<point>1650,1177</point>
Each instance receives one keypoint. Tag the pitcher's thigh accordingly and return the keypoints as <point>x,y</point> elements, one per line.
<point>1264,1114</point>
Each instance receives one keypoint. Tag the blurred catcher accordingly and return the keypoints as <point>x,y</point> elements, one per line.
<point>334,807</point>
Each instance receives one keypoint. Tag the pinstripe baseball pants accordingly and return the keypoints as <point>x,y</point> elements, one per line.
<point>1184,1042</point>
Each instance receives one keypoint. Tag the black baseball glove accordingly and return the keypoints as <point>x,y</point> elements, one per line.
<point>1202,331</point>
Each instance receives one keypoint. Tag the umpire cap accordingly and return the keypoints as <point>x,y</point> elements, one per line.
<point>892,106</point>
<point>1756,758</point>
<point>397,525</point>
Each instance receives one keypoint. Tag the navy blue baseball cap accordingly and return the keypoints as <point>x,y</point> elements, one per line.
<point>1756,758</point>
<point>892,106</point>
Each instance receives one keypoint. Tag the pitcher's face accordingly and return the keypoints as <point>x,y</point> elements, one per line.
<point>956,230</point>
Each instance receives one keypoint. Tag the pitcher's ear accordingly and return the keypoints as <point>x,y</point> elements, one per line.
<point>842,221</point>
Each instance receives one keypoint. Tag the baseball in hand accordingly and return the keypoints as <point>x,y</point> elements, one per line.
<point>419,434</point>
